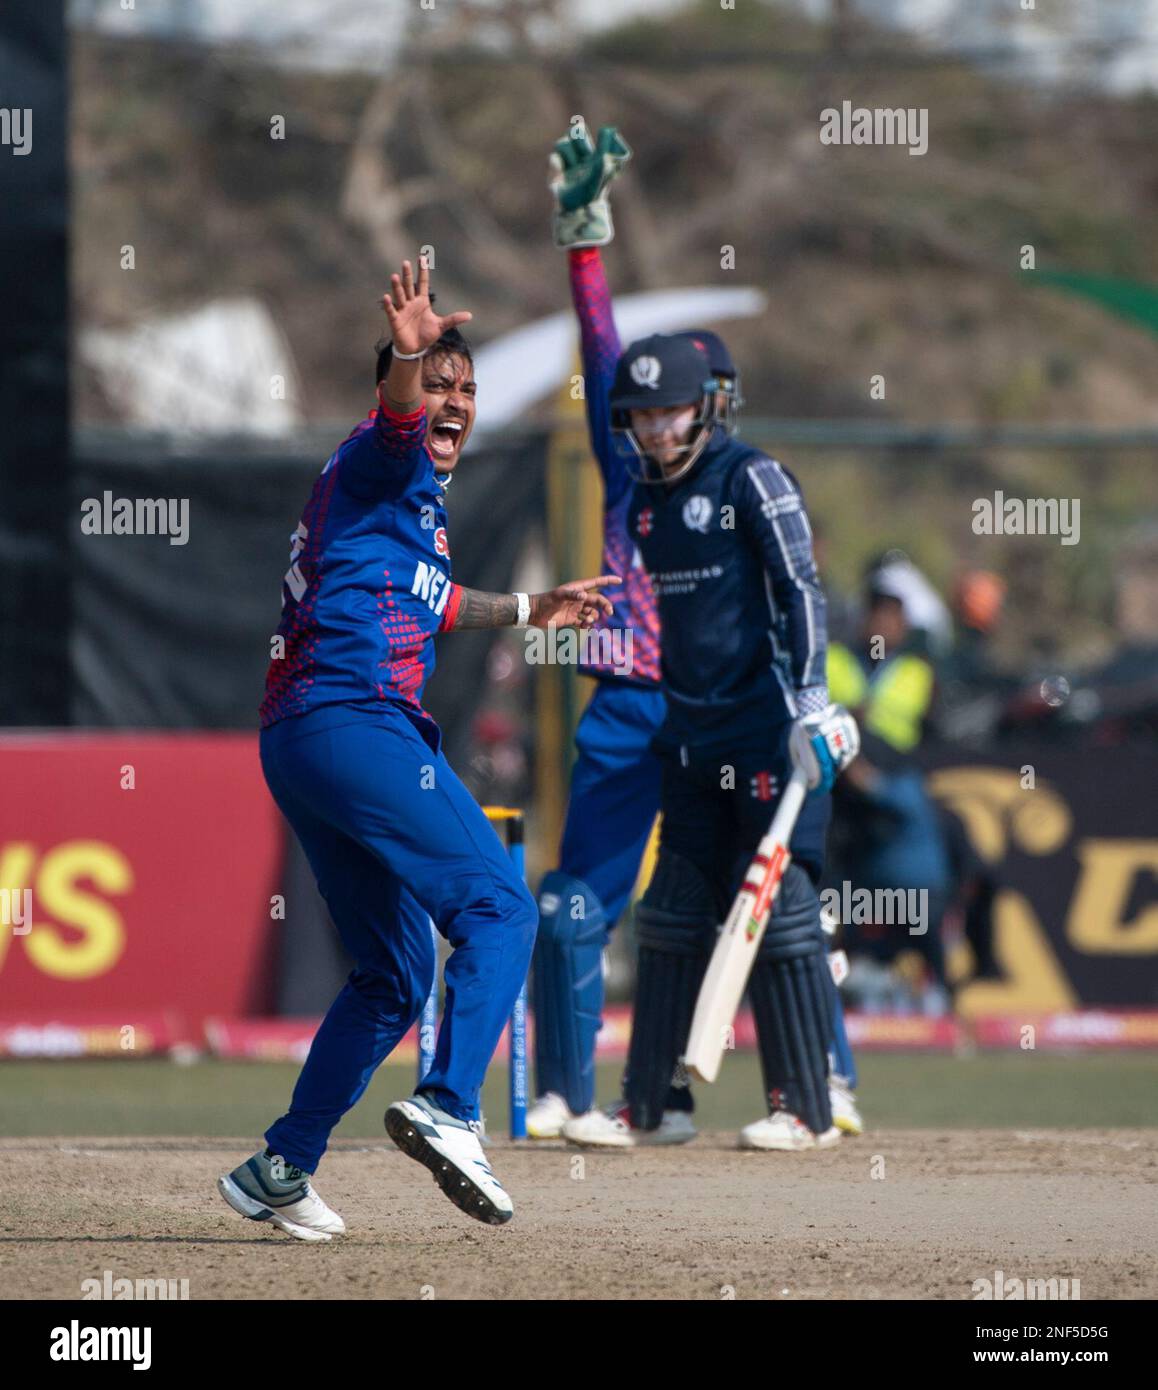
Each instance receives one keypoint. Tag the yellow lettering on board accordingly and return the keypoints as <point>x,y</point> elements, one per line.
<point>1034,982</point>
<point>102,929</point>
<point>16,864</point>
<point>1109,870</point>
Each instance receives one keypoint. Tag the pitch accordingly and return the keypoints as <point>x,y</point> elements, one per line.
<point>916,1209</point>
<point>708,1222</point>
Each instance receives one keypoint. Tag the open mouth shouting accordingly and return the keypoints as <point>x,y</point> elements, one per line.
<point>445,437</point>
<point>448,389</point>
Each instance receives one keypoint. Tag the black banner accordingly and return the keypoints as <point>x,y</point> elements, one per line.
<point>34,363</point>
<point>1068,836</point>
<point>177,636</point>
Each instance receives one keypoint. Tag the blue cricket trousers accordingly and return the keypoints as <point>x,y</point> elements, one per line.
<point>614,792</point>
<point>394,838</point>
<point>614,800</point>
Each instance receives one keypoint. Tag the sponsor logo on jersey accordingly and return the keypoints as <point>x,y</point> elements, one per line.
<point>441,544</point>
<point>645,371</point>
<point>764,786</point>
<point>697,513</point>
<point>644,522</point>
<point>664,582</point>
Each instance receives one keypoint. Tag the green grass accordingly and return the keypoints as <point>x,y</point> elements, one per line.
<point>235,1099</point>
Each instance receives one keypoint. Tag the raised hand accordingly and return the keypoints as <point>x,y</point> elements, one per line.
<point>581,174</point>
<point>414,325</point>
<point>575,604</point>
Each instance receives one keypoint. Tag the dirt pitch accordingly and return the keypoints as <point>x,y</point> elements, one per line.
<point>700,1222</point>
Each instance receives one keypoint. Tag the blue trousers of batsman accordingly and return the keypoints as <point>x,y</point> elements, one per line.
<point>615,795</point>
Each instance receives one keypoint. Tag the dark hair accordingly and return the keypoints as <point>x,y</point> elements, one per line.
<point>451,342</point>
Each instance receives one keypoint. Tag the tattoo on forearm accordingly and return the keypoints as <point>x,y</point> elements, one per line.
<point>478,609</point>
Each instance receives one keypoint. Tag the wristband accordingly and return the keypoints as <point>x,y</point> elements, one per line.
<point>406,356</point>
<point>524,613</point>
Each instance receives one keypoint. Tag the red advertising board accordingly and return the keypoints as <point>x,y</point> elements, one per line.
<point>288,1039</point>
<point>136,877</point>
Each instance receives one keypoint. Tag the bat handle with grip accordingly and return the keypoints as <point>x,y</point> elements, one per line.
<point>784,821</point>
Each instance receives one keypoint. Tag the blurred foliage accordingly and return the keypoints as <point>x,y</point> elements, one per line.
<point>875,262</point>
<point>705,28</point>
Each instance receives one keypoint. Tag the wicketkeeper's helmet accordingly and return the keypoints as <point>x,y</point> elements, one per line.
<point>664,371</point>
<point>724,370</point>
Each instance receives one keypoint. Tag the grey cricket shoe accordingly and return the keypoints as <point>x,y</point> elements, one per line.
<point>267,1188</point>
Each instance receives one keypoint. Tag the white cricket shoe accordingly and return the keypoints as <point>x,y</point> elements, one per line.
<point>450,1148</point>
<point>548,1115</point>
<point>845,1114</point>
<point>610,1128</point>
<point>783,1132</point>
<point>265,1188</point>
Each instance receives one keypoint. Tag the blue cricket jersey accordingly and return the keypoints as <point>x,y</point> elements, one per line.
<point>369,579</point>
<point>742,613</point>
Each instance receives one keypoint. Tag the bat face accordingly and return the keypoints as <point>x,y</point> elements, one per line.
<point>731,963</point>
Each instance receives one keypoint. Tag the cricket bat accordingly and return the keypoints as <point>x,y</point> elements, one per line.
<point>732,960</point>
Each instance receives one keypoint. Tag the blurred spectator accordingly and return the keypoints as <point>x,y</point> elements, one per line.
<point>972,694</point>
<point>972,691</point>
<point>1117,702</point>
<point>886,832</point>
<point>1121,699</point>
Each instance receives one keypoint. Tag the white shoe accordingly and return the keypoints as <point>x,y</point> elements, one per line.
<point>450,1148</point>
<point>548,1115</point>
<point>784,1133</point>
<point>845,1115</point>
<point>610,1128</point>
<point>261,1191</point>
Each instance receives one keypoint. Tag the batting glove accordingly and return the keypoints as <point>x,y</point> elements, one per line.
<point>822,746</point>
<point>580,176</point>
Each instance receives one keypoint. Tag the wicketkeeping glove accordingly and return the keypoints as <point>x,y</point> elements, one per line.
<point>823,745</point>
<point>580,176</point>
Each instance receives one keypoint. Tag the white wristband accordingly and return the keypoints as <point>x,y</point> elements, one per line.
<point>524,614</point>
<point>406,356</point>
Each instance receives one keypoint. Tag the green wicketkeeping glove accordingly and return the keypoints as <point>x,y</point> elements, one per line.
<point>580,176</point>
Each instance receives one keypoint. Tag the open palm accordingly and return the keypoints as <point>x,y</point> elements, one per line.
<point>414,325</point>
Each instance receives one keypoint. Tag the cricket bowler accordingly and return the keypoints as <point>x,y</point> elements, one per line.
<point>355,764</point>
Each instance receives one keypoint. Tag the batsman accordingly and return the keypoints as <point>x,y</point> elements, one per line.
<point>723,534</point>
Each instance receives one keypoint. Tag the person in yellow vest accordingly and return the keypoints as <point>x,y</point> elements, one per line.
<point>887,836</point>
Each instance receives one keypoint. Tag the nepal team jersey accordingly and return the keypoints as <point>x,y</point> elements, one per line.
<point>369,579</point>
